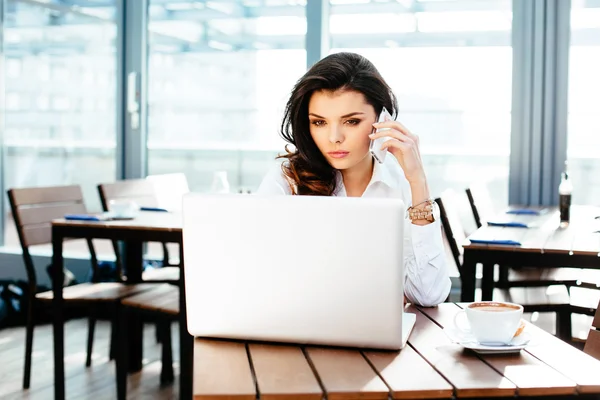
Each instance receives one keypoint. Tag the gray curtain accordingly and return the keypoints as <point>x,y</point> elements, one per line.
<point>541,40</point>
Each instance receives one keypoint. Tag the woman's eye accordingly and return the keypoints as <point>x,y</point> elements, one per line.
<point>353,121</point>
<point>317,122</point>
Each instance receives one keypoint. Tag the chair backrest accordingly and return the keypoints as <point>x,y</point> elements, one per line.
<point>141,191</point>
<point>34,209</point>
<point>481,203</point>
<point>170,189</point>
<point>453,227</point>
<point>592,345</point>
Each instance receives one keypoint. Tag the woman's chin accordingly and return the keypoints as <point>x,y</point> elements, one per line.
<point>347,162</point>
<point>342,163</point>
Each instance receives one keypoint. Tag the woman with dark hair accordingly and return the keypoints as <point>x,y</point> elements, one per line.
<point>329,120</point>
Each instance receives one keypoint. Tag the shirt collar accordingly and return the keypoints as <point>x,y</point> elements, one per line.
<point>381,174</point>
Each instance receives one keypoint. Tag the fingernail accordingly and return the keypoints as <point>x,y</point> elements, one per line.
<point>376,123</point>
<point>372,135</point>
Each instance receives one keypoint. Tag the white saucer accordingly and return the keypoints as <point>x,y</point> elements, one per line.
<point>468,342</point>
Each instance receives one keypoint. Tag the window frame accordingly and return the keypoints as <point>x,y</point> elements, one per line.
<point>533,174</point>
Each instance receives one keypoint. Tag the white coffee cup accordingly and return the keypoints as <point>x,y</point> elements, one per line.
<point>491,322</point>
<point>123,208</point>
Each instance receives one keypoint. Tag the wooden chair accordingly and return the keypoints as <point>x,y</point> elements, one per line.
<point>33,210</point>
<point>162,305</point>
<point>143,193</point>
<point>554,298</point>
<point>592,345</point>
<point>526,276</point>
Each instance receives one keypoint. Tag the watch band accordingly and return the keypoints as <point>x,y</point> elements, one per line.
<point>422,211</point>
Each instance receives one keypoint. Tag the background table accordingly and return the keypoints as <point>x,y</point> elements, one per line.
<point>547,245</point>
<point>146,227</point>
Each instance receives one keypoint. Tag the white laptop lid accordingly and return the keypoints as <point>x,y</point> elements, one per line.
<point>302,269</point>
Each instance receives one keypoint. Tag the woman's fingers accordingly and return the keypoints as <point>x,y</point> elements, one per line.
<point>395,125</point>
<point>405,146</point>
<point>392,133</point>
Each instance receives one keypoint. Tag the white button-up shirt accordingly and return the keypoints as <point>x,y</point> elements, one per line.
<point>427,280</point>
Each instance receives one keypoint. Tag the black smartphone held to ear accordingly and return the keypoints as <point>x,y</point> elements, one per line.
<point>375,146</point>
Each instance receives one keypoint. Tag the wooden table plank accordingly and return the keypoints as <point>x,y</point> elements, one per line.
<point>532,376</point>
<point>564,358</point>
<point>222,370</point>
<point>409,376</point>
<point>587,241</point>
<point>579,237</point>
<point>470,376</point>
<point>346,374</point>
<point>536,238</point>
<point>282,372</point>
<point>561,240</point>
<point>583,369</point>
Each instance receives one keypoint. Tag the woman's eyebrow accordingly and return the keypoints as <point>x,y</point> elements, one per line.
<point>343,116</point>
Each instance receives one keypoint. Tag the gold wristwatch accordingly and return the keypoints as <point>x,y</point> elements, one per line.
<point>423,211</point>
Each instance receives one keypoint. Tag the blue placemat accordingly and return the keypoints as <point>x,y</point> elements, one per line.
<point>507,242</point>
<point>156,209</point>
<point>525,211</point>
<point>508,224</point>
<point>85,217</point>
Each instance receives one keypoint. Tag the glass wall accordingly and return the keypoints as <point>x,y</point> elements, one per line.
<point>60,125</point>
<point>219,76</point>
<point>583,146</point>
<point>450,65</point>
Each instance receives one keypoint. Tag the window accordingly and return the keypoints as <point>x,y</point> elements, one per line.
<point>450,65</point>
<point>60,114</point>
<point>583,143</point>
<point>219,76</point>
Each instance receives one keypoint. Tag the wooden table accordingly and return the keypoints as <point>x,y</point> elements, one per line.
<point>546,245</point>
<point>146,227</point>
<point>429,367</point>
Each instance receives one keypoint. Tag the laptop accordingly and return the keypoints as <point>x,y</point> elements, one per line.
<point>297,269</point>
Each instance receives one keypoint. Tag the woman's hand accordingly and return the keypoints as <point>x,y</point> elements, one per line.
<point>404,145</point>
<point>405,148</point>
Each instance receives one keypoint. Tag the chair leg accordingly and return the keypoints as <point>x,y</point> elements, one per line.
<point>158,333</point>
<point>28,345</point>
<point>121,361</point>
<point>135,342</point>
<point>90,340</point>
<point>487,282</point>
<point>166,373</point>
<point>165,262</point>
<point>114,335</point>
<point>563,324</point>
<point>502,276</point>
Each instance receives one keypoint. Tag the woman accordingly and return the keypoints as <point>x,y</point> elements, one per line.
<point>329,119</point>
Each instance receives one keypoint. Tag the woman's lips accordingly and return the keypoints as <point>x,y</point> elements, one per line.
<point>338,154</point>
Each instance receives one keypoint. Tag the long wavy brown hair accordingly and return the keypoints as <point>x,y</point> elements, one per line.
<point>306,168</point>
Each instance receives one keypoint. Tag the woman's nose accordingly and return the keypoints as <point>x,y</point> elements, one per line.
<point>335,135</point>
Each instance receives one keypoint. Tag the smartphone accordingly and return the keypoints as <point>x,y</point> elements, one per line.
<point>375,146</point>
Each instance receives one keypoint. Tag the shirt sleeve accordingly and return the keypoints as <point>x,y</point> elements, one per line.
<point>427,279</point>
